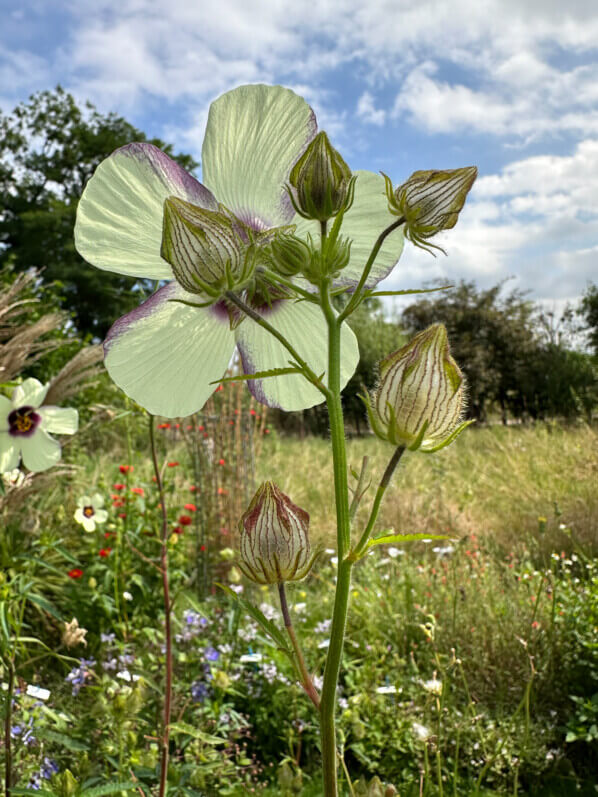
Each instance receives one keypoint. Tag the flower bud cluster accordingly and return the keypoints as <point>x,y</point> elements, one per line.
<point>419,401</point>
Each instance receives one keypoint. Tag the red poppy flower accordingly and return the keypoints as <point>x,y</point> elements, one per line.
<point>118,486</point>
<point>219,388</point>
<point>172,464</point>
<point>163,426</point>
<point>221,462</point>
<point>252,412</point>
<point>177,530</point>
<point>122,515</point>
<point>185,520</point>
<point>200,428</point>
<point>177,426</point>
<point>104,552</point>
<point>222,491</point>
<point>137,490</point>
<point>190,428</point>
<point>193,489</point>
<point>191,507</point>
<point>125,468</point>
<point>75,573</point>
<point>108,534</point>
<point>202,547</point>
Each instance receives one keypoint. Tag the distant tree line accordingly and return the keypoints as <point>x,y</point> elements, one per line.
<point>519,362</point>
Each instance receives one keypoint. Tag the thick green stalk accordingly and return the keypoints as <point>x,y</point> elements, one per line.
<point>343,584</point>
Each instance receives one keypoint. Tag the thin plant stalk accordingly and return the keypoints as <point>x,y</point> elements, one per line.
<point>306,682</point>
<point>7,728</point>
<point>167,617</point>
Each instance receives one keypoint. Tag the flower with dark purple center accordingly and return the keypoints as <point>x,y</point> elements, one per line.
<point>25,426</point>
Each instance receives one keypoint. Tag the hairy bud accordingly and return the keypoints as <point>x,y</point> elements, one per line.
<point>289,255</point>
<point>430,201</point>
<point>274,544</point>
<point>322,181</point>
<point>419,400</point>
<point>210,251</point>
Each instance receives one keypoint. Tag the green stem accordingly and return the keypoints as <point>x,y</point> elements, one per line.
<point>358,293</point>
<point>255,316</point>
<point>343,584</point>
<point>7,728</point>
<point>167,617</point>
<point>384,482</point>
<point>306,681</point>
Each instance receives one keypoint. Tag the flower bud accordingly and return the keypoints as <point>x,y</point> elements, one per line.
<point>419,400</point>
<point>430,201</point>
<point>289,255</point>
<point>210,251</point>
<point>322,181</point>
<point>274,544</point>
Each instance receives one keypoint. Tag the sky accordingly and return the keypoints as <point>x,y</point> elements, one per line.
<point>508,85</point>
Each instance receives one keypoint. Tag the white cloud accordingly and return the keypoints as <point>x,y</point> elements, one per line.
<point>367,111</point>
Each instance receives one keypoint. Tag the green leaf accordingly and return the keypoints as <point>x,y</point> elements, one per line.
<point>69,557</point>
<point>408,292</point>
<point>36,792</point>
<point>273,632</point>
<point>44,604</point>
<point>257,375</point>
<point>191,730</point>
<point>108,788</point>
<point>62,739</point>
<point>3,623</point>
<point>401,538</point>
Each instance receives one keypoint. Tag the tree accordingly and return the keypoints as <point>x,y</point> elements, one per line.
<point>589,313</point>
<point>49,148</point>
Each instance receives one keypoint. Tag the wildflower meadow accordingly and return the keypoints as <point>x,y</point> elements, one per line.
<point>220,575</point>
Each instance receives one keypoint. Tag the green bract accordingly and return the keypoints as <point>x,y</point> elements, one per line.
<point>419,401</point>
<point>141,214</point>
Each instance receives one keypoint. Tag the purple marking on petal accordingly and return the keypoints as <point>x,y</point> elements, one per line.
<point>23,421</point>
<point>181,182</point>
<point>220,311</point>
<point>143,311</point>
<point>255,386</point>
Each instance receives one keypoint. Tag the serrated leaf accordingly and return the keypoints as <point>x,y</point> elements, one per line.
<point>191,730</point>
<point>401,538</point>
<point>108,788</point>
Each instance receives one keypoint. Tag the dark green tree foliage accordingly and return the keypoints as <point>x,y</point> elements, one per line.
<point>589,313</point>
<point>49,148</point>
<point>513,361</point>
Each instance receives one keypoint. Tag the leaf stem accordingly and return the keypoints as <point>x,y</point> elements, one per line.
<point>357,295</point>
<point>306,683</point>
<point>384,482</point>
<point>167,616</point>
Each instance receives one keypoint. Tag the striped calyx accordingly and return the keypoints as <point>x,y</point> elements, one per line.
<point>274,544</point>
<point>430,201</point>
<point>322,183</point>
<point>419,400</point>
<point>210,251</point>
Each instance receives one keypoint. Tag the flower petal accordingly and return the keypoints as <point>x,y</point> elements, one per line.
<point>303,324</point>
<point>100,516</point>
<point>164,354</point>
<point>97,501</point>
<point>9,453</point>
<point>59,420</point>
<point>119,218</point>
<point>253,137</point>
<point>6,407</point>
<point>363,223</point>
<point>30,393</point>
<point>40,451</point>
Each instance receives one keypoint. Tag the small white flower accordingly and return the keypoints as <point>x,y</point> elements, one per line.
<point>434,686</point>
<point>394,552</point>
<point>324,644</point>
<point>387,690</point>
<point>251,658</point>
<point>14,478</point>
<point>127,596</point>
<point>445,550</point>
<point>25,427</point>
<point>268,611</point>
<point>89,511</point>
<point>422,733</point>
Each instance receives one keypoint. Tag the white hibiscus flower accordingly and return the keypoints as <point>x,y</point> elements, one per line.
<point>89,511</point>
<point>25,426</point>
<point>165,354</point>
